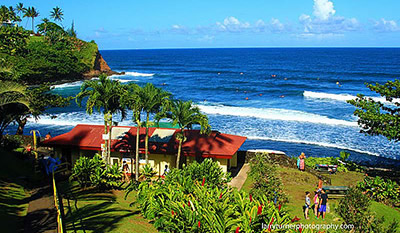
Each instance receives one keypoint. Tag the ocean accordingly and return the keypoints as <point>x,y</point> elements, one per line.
<point>287,99</point>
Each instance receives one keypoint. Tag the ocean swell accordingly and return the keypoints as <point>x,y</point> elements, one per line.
<point>273,114</point>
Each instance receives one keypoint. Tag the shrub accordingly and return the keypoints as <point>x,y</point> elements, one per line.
<point>93,172</point>
<point>11,142</point>
<point>205,209</point>
<point>343,164</point>
<point>265,179</point>
<point>208,170</point>
<point>354,209</point>
<point>381,190</point>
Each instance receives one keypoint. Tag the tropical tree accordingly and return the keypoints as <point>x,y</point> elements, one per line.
<point>185,114</point>
<point>132,101</point>
<point>45,23</point>
<point>155,101</point>
<point>104,95</point>
<point>378,117</point>
<point>12,96</point>
<point>71,31</point>
<point>7,14</point>
<point>20,9</point>
<point>31,12</point>
<point>40,100</point>
<point>57,14</point>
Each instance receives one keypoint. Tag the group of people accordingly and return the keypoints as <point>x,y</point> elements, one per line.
<point>320,202</point>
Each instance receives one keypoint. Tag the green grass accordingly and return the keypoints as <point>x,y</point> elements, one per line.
<point>296,183</point>
<point>14,196</point>
<point>382,210</point>
<point>103,212</point>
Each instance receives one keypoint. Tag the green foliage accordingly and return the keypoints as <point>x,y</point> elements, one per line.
<point>13,40</point>
<point>13,97</point>
<point>47,62</point>
<point>174,205</point>
<point>93,172</point>
<point>343,164</point>
<point>377,118</point>
<point>354,209</point>
<point>266,181</point>
<point>184,114</point>
<point>148,172</point>
<point>381,190</point>
<point>209,170</point>
<point>11,142</point>
<point>7,14</point>
<point>49,27</point>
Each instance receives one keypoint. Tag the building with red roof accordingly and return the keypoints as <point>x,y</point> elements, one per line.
<point>86,140</point>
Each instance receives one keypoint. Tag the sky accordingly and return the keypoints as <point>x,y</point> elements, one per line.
<point>150,24</point>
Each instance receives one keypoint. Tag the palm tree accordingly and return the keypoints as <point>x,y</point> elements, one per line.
<point>31,12</point>
<point>185,114</point>
<point>57,14</point>
<point>104,95</point>
<point>133,102</point>
<point>12,95</point>
<point>154,100</point>
<point>45,23</point>
<point>20,9</point>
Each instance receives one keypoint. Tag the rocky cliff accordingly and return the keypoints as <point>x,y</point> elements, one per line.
<point>100,67</point>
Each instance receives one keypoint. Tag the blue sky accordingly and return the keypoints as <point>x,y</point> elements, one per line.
<point>131,24</point>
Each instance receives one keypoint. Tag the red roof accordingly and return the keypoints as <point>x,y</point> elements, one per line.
<point>89,137</point>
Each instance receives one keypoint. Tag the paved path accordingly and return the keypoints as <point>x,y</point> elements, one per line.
<point>241,177</point>
<point>42,215</point>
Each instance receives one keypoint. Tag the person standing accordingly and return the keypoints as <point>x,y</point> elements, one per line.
<point>316,203</point>
<point>307,205</point>
<point>301,162</point>
<point>125,170</point>
<point>323,202</point>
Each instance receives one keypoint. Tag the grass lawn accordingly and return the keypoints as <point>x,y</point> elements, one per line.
<point>103,212</point>
<point>296,183</point>
<point>14,196</point>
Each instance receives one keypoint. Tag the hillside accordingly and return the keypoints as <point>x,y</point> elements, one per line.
<point>52,57</point>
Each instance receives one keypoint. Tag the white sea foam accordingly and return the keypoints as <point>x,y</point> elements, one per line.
<point>338,97</point>
<point>324,144</point>
<point>274,114</point>
<point>66,85</point>
<point>137,74</point>
<point>74,118</point>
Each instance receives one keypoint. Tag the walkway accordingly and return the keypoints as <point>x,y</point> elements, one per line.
<point>239,180</point>
<point>42,215</point>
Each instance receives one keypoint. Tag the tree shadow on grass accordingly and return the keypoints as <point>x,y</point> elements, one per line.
<point>92,209</point>
<point>101,217</point>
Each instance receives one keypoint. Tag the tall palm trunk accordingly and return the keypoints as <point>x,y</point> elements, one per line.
<point>33,23</point>
<point>105,132</point>
<point>109,140</point>
<point>137,150</point>
<point>146,142</point>
<point>178,157</point>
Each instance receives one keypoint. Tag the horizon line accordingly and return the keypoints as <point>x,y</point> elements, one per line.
<point>252,47</point>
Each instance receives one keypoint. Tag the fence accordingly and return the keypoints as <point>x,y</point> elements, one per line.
<point>58,200</point>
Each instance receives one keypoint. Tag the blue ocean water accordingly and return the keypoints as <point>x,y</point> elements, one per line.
<point>288,99</point>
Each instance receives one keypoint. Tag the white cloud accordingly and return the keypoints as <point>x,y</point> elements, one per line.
<point>232,24</point>
<point>384,25</point>
<point>323,9</point>
<point>276,25</point>
<point>324,20</point>
<point>179,29</point>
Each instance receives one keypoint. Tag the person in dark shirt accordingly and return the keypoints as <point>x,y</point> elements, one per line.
<point>322,202</point>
